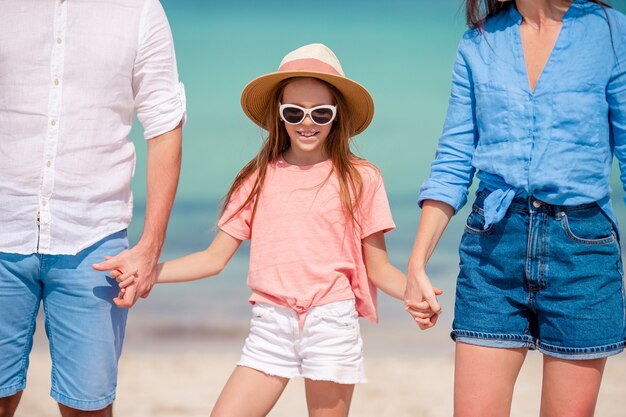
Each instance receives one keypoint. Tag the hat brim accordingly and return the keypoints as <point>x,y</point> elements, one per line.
<point>255,98</point>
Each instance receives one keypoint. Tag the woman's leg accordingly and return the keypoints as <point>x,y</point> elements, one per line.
<point>249,393</point>
<point>484,378</point>
<point>570,388</point>
<point>328,399</point>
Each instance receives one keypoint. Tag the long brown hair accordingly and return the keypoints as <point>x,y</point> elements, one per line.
<point>336,146</point>
<point>478,11</point>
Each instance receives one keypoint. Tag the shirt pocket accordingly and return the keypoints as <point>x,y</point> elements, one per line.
<point>577,115</point>
<point>492,113</point>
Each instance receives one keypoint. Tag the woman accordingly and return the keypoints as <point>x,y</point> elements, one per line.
<point>537,110</point>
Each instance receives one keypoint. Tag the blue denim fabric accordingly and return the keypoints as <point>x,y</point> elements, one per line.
<point>85,329</point>
<point>545,277</point>
<point>555,143</point>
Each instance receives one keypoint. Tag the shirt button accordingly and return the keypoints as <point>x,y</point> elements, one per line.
<point>48,164</point>
<point>56,82</point>
<point>59,41</point>
<point>536,204</point>
<point>44,203</point>
<point>53,122</point>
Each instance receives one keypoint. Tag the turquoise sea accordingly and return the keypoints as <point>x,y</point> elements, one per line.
<point>401,50</point>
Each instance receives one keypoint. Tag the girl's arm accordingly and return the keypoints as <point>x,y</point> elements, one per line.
<point>203,264</point>
<point>420,296</point>
<point>379,270</point>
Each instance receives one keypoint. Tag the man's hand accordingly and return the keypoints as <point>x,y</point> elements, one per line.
<point>144,264</point>
<point>163,168</point>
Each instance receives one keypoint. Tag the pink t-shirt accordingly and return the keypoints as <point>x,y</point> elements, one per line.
<point>304,251</point>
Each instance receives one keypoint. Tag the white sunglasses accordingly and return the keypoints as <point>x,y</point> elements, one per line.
<point>320,115</point>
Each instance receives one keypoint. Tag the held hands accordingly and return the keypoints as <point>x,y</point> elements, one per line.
<point>128,287</point>
<point>138,267</point>
<point>420,300</point>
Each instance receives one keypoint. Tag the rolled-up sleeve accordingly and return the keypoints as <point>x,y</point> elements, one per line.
<point>451,171</point>
<point>159,96</point>
<point>616,97</point>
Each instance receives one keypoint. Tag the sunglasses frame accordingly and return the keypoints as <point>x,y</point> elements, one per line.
<point>308,112</point>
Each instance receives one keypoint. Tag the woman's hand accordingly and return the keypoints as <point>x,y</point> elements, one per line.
<point>420,300</point>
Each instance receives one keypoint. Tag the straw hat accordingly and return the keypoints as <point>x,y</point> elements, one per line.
<point>316,61</point>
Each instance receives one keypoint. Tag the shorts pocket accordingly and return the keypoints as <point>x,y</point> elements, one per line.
<point>476,222</point>
<point>588,226</point>
<point>341,322</point>
<point>260,310</point>
<point>341,315</point>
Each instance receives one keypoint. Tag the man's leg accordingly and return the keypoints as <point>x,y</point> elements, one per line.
<point>9,404</point>
<point>20,295</point>
<point>72,412</point>
<point>85,329</point>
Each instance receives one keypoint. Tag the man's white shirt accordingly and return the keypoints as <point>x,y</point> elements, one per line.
<point>72,76</point>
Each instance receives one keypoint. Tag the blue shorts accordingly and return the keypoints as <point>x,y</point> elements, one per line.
<point>85,329</point>
<point>545,277</point>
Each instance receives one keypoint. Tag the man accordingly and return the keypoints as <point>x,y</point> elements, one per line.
<point>72,76</point>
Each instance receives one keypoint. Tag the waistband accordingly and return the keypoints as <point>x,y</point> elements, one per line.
<point>534,205</point>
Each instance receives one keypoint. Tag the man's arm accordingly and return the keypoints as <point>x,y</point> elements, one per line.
<point>164,158</point>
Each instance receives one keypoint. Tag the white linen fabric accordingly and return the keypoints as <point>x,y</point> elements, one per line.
<point>72,76</point>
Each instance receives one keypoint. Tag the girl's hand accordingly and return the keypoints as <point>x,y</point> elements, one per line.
<point>126,295</point>
<point>128,287</point>
<point>420,300</point>
<point>124,279</point>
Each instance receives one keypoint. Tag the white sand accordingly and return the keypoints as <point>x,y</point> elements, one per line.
<point>410,374</point>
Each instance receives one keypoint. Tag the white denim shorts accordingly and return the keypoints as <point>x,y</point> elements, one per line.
<point>328,348</point>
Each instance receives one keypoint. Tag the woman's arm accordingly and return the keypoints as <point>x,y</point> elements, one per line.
<point>445,191</point>
<point>616,98</point>
<point>420,296</point>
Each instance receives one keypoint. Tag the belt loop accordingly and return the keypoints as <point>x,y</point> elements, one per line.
<point>557,212</point>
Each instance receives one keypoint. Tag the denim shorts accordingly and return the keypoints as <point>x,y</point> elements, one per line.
<point>545,277</point>
<point>85,329</point>
<point>327,348</point>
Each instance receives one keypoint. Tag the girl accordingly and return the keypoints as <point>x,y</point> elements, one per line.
<point>315,215</point>
<point>538,107</point>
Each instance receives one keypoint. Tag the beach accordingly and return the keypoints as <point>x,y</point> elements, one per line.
<point>177,369</point>
<point>183,342</point>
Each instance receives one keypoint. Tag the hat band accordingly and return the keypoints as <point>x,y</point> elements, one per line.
<point>309,64</point>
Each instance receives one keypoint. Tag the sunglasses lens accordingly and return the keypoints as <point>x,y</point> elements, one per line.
<point>322,116</point>
<point>293,114</point>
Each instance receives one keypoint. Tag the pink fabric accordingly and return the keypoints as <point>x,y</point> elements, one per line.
<point>309,64</point>
<point>303,250</point>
